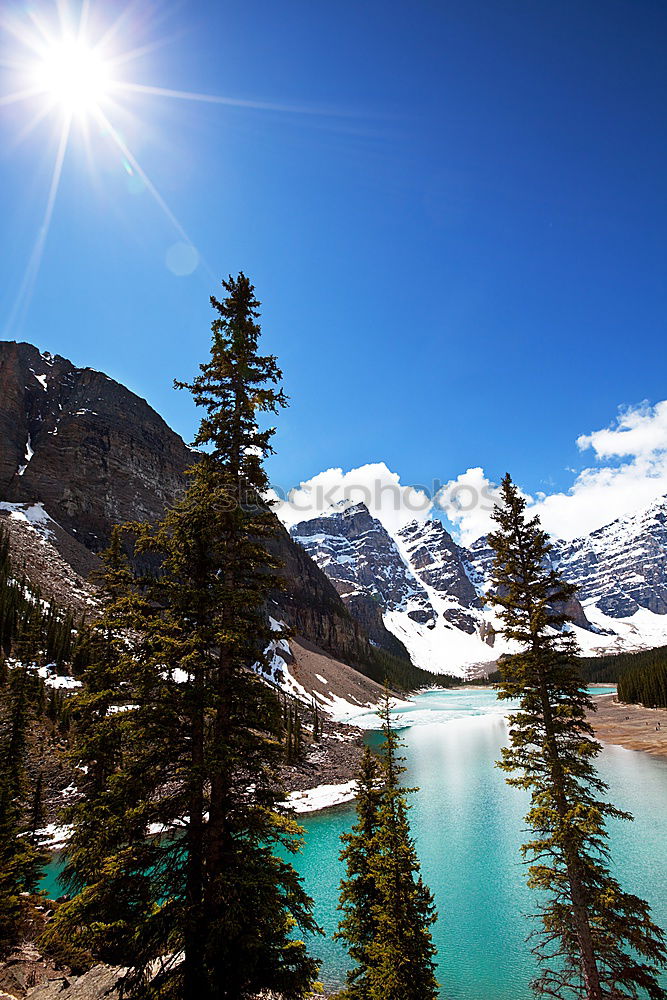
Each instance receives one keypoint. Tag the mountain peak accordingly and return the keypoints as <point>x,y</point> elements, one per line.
<point>430,588</point>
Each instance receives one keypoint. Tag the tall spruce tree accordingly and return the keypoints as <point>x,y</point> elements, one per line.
<point>596,941</point>
<point>359,893</point>
<point>387,908</point>
<point>21,860</point>
<point>205,907</point>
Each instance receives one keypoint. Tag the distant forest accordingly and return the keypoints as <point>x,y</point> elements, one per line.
<point>641,677</point>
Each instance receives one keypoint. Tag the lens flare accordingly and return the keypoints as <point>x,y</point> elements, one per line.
<point>65,65</point>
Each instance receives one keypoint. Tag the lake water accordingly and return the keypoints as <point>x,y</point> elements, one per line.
<point>468,827</point>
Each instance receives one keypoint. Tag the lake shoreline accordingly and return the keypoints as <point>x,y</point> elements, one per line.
<point>633,727</point>
<point>615,723</point>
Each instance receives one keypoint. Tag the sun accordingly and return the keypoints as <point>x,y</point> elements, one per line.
<point>66,63</point>
<point>73,76</point>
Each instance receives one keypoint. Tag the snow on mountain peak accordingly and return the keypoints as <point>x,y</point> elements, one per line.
<point>430,588</point>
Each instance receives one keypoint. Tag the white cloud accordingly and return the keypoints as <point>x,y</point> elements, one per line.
<point>602,493</point>
<point>639,431</point>
<point>631,472</point>
<point>632,475</point>
<point>468,502</point>
<point>374,484</point>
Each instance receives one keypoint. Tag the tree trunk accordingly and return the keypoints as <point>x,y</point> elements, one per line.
<point>217,833</point>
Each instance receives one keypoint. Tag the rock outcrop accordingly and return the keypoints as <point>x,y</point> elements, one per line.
<point>415,585</point>
<point>92,452</point>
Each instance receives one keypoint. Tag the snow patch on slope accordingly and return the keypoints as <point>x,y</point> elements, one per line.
<point>322,797</point>
<point>33,515</point>
<point>26,458</point>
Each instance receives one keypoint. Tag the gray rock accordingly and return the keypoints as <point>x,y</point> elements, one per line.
<point>100,982</point>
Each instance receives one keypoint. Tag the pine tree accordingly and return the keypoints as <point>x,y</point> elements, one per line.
<point>21,861</point>
<point>646,684</point>
<point>21,866</point>
<point>596,941</point>
<point>199,745</point>
<point>37,807</point>
<point>387,908</point>
<point>316,721</point>
<point>359,894</point>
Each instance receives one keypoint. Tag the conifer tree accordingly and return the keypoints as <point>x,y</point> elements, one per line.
<point>21,860</point>
<point>387,908</point>
<point>359,894</point>
<point>646,684</point>
<point>199,743</point>
<point>596,941</point>
<point>37,807</point>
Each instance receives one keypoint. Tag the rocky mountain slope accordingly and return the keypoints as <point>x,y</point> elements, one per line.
<point>87,448</point>
<point>430,590</point>
<point>622,567</point>
<point>420,579</point>
<point>79,452</point>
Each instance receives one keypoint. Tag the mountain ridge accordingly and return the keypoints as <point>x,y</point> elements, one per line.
<point>92,453</point>
<point>620,571</point>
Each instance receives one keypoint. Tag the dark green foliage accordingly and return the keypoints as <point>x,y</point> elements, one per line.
<point>359,894</point>
<point>646,685</point>
<point>21,865</point>
<point>21,861</point>
<point>401,674</point>
<point>293,731</point>
<point>195,761</point>
<point>611,668</point>
<point>387,908</point>
<point>30,629</point>
<point>596,941</point>
<point>33,632</point>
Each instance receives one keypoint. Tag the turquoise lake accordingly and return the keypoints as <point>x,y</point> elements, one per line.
<point>468,826</point>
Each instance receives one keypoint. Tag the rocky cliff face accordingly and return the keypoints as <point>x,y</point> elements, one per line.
<point>365,566</point>
<point>441,565</point>
<point>418,581</point>
<point>360,557</point>
<point>86,447</point>
<point>87,453</point>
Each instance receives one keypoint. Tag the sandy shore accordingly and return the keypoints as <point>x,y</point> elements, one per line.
<point>631,726</point>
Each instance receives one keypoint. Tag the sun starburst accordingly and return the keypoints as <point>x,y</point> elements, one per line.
<point>70,68</point>
<point>74,76</point>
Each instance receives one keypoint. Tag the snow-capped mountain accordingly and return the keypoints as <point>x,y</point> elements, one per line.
<point>621,567</point>
<point>420,578</point>
<point>430,589</point>
<point>366,567</point>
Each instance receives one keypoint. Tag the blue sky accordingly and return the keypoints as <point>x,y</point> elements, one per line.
<point>458,236</point>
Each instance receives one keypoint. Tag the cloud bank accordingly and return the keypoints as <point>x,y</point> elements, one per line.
<point>630,471</point>
<point>374,484</point>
